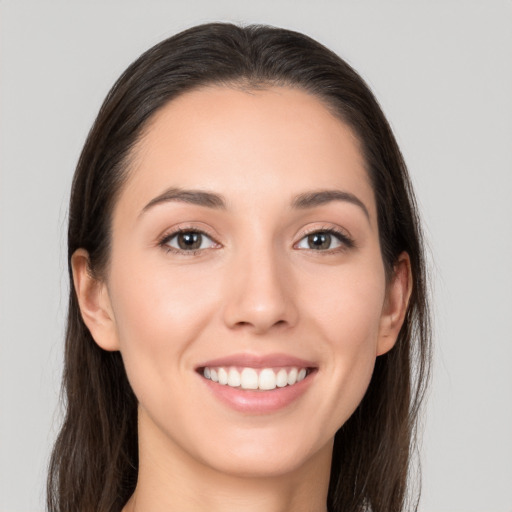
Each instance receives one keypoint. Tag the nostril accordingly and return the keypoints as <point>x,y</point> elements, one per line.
<point>241,324</point>
<point>260,326</point>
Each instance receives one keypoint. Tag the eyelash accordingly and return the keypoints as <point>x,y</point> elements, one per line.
<point>348,243</point>
<point>169,236</point>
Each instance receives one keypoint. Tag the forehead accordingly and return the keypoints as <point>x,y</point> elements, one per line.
<point>254,144</point>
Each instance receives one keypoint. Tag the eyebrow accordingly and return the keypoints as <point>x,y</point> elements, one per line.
<point>320,197</point>
<point>198,197</point>
<point>216,201</point>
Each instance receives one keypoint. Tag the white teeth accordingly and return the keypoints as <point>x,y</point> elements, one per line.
<point>292,377</point>
<point>223,376</point>
<point>249,378</point>
<point>234,379</point>
<point>267,379</point>
<point>282,378</point>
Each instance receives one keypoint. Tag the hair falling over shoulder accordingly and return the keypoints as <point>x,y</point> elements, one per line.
<point>94,464</point>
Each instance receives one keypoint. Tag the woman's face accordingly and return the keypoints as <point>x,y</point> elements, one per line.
<point>245,249</point>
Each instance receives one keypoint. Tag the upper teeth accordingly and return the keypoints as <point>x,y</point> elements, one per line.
<point>249,378</point>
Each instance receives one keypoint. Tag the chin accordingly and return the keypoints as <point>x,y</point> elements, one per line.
<point>268,454</point>
<point>261,465</point>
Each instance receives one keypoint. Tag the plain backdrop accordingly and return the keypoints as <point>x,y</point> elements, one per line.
<point>442,71</point>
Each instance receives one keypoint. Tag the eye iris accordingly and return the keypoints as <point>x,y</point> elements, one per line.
<point>319,241</point>
<point>189,240</point>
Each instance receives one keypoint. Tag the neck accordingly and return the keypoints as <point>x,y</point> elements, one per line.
<point>170,480</point>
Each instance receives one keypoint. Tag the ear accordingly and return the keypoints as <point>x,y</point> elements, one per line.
<point>94,302</point>
<point>395,305</point>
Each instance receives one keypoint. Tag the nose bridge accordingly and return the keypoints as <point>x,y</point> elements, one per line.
<point>259,293</point>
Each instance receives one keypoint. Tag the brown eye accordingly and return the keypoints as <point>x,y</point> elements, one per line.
<point>319,241</point>
<point>188,241</point>
<point>325,240</point>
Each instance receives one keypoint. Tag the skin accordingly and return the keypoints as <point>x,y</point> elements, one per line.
<point>256,286</point>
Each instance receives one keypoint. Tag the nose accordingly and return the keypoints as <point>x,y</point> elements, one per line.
<point>260,293</point>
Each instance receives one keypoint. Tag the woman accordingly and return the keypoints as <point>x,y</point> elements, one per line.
<point>248,324</point>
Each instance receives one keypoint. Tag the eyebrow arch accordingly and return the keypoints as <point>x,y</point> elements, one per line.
<point>320,197</point>
<point>216,201</point>
<point>198,197</point>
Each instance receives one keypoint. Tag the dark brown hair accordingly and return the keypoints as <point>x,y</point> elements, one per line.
<point>95,460</point>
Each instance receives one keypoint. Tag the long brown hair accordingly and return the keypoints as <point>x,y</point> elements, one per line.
<point>94,464</point>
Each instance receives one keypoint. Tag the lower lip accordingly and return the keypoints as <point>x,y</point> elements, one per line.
<point>259,402</point>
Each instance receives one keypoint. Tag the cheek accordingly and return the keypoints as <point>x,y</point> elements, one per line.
<point>151,295</point>
<point>347,317</point>
<point>159,314</point>
<point>347,305</point>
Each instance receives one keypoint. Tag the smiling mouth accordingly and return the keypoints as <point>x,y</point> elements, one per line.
<point>263,379</point>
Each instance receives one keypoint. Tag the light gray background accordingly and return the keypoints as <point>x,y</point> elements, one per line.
<point>442,71</point>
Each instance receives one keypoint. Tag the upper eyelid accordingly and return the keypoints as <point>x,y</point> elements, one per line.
<point>185,229</point>
<point>326,228</point>
<point>167,238</point>
<point>176,230</point>
<point>337,230</point>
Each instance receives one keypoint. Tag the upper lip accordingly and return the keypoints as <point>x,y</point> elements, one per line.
<point>258,361</point>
